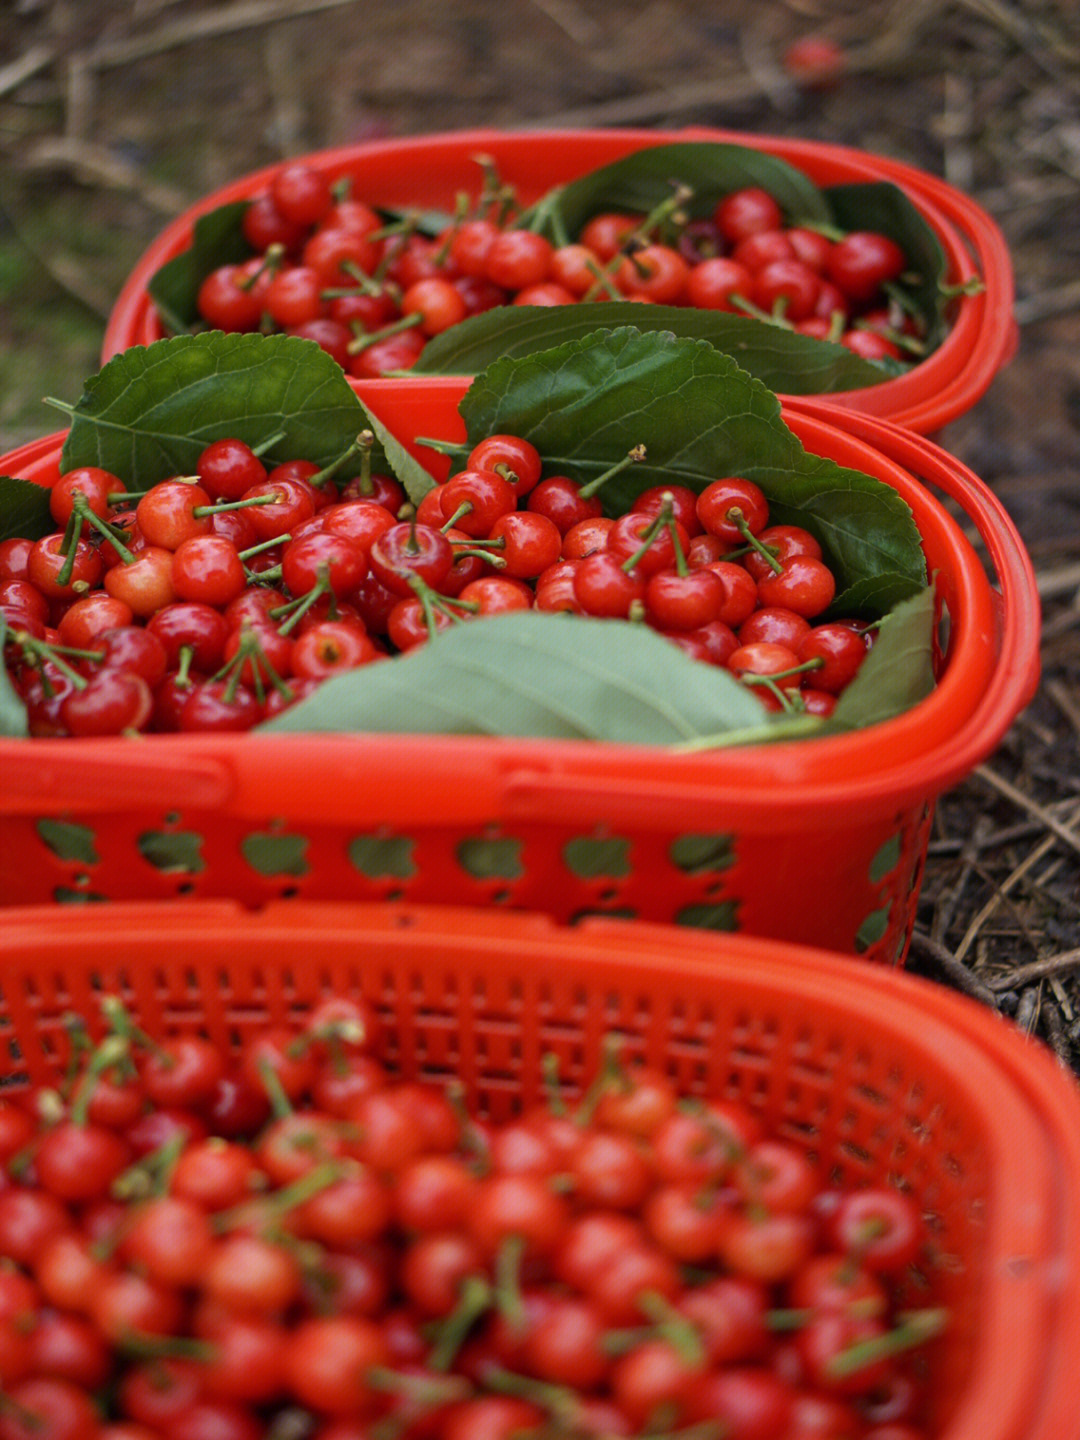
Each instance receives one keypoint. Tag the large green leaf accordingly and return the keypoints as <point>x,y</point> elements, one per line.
<point>217,239</point>
<point>787,362</point>
<point>637,182</point>
<point>24,509</point>
<point>898,672</point>
<point>587,403</point>
<point>537,674</point>
<point>152,409</point>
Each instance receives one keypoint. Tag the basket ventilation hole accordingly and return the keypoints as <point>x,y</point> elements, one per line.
<point>382,856</point>
<point>271,854</point>
<point>697,853</point>
<point>724,915</point>
<point>588,856</point>
<point>172,851</point>
<point>886,859</point>
<point>498,858</point>
<point>68,841</point>
<point>872,930</point>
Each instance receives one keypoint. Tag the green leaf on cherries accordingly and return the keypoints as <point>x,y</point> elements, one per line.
<point>637,182</point>
<point>787,362</point>
<point>24,509</point>
<point>13,722</point>
<point>879,205</point>
<point>410,472</point>
<point>585,404</point>
<point>152,409</point>
<point>217,239</point>
<point>542,675</point>
<point>898,672</point>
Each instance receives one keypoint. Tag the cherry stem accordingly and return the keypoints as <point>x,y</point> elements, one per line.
<point>183,669</point>
<point>475,1298</point>
<point>280,1103</point>
<point>897,337</point>
<point>428,1391</point>
<point>362,445</point>
<point>770,317</point>
<point>676,1329</point>
<point>508,1298</point>
<point>664,520</point>
<point>406,322</point>
<point>250,649</point>
<point>916,1327</point>
<point>433,604</point>
<point>142,1345</point>
<point>632,457</point>
<point>295,610</point>
<point>152,1175</point>
<point>472,1137</point>
<point>603,280</point>
<point>482,550</point>
<point>81,507</point>
<point>611,1076</point>
<point>550,1070</point>
<point>297,1192</point>
<point>263,546</point>
<point>782,1319</point>
<point>39,651</point>
<point>111,1052</point>
<point>271,261</point>
<point>120,1022</point>
<point>735,516</point>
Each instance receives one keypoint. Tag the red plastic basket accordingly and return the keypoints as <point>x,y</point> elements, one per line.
<point>881,1076</point>
<point>820,842</point>
<point>430,171</point>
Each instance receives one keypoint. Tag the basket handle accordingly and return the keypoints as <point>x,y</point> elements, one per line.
<point>113,773</point>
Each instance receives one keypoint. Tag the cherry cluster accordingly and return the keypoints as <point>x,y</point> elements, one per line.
<point>213,601</point>
<point>293,1241</point>
<point>326,266</point>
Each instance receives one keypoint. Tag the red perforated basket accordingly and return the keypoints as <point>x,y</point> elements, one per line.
<point>880,1076</point>
<point>430,171</point>
<point>820,842</point>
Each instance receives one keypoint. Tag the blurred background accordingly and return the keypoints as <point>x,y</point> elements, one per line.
<point>115,116</point>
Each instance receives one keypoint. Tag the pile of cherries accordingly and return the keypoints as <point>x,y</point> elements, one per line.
<point>213,601</point>
<point>327,266</point>
<point>294,1242</point>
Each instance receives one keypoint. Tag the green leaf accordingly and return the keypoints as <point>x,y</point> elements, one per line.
<point>416,480</point>
<point>24,509</point>
<point>787,362</point>
<point>880,205</point>
<point>217,239</point>
<point>13,722</point>
<point>537,674</point>
<point>639,181</point>
<point>898,672</point>
<point>585,404</point>
<point>152,409</point>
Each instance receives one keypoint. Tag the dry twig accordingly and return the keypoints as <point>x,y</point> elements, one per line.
<point>1052,965</point>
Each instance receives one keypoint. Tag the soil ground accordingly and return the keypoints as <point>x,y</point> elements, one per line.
<point>115,116</point>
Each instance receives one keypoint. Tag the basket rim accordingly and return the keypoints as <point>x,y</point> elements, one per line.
<point>940,388</point>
